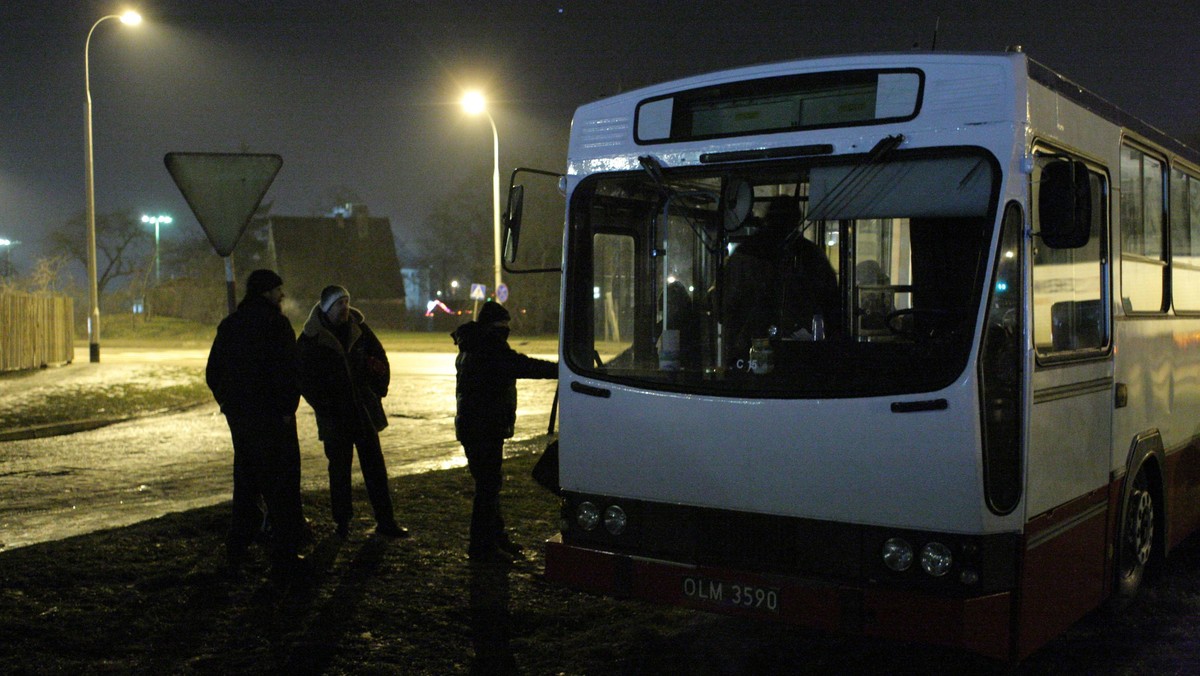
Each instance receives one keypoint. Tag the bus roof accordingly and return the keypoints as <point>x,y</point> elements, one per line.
<point>1015,59</point>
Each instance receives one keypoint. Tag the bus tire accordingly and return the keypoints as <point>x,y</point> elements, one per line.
<point>1136,537</point>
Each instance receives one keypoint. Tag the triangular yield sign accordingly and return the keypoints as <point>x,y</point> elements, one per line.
<point>223,190</point>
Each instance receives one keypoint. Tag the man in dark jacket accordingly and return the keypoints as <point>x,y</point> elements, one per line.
<point>252,372</point>
<point>487,412</point>
<point>344,376</point>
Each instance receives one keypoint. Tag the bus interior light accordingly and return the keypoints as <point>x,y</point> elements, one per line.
<point>897,554</point>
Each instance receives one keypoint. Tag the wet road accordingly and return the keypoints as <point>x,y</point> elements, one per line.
<point>114,476</point>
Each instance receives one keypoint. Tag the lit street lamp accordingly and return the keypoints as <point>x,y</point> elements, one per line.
<point>7,245</point>
<point>130,18</point>
<point>474,103</point>
<point>156,221</point>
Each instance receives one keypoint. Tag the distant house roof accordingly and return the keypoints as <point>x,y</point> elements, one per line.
<point>357,252</point>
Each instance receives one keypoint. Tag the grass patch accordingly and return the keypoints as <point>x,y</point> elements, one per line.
<point>156,332</point>
<point>172,388</point>
<point>156,597</point>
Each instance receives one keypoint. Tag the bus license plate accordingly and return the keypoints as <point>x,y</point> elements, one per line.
<point>731,594</point>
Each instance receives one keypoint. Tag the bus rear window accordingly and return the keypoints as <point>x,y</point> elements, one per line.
<point>779,104</point>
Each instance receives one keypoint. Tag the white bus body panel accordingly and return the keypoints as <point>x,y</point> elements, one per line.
<point>1069,428</point>
<point>844,460</point>
<point>967,101</point>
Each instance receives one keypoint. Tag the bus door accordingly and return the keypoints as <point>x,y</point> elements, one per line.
<point>1070,423</point>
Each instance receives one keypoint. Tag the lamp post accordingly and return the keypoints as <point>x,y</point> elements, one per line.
<point>129,18</point>
<point>156,221</point>
<point>474,104</point>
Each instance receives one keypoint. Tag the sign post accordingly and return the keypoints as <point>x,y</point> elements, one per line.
<point>223,190</point>
<point>478,293</point>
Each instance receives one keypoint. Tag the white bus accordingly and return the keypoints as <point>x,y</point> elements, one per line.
<point>900,345</point>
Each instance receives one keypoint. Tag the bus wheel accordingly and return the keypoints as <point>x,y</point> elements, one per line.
<point>1137,537</point>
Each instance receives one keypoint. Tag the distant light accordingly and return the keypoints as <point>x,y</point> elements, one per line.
<point>437,305</point>
<point>5,242</point>
<point>1001,286</point>
<point>131,18</point>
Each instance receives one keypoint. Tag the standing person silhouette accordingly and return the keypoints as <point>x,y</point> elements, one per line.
<point>252,372</point>
<point>486,393</point>
<point>344,375</point>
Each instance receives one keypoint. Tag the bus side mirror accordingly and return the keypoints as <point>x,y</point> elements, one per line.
<point>1065,204</point>
<point>512,222</point>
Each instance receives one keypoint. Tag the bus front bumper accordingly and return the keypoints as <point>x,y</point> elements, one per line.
<point>979,624</point>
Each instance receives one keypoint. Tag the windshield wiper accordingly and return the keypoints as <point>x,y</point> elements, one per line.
<point>654,168</point>
<point>852,183</point>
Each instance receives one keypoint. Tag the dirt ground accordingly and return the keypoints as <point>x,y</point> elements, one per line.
<point>156,597</point>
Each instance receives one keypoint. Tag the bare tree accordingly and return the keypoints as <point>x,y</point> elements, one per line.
<point>46,276</point>
<point>455,240</point>
<point>120,245</point>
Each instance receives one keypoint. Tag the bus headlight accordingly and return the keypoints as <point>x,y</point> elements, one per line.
<point>614,520</point>
<point>897,554</point>
<point>587,515</point>
<point>936,559</point>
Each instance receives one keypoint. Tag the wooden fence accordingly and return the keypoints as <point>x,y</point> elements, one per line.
<point>36,330</point>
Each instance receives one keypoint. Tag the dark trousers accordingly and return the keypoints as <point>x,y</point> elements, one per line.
<point>484,459</point>
<point>340,452</point>
<point>266,464</point>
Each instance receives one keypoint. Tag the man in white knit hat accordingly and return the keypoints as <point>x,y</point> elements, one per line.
<point>344,376</point>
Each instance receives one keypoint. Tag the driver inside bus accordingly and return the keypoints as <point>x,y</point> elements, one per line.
<point>777,278</point>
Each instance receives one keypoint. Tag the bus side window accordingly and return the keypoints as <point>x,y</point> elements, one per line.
<point>1075,325</point>
<point>1070,302</point>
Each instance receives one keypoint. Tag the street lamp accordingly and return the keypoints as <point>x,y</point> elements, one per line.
<point>156,220</point>
<point>7,245</point>
<point>130,18</point>
<point>474,104</point>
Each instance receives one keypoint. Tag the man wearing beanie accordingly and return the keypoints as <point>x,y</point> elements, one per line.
<point>344,376</point>
<point>486,392</point>
<point>252,372</point>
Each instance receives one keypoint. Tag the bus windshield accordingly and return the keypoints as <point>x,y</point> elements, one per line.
<point>828,278</point>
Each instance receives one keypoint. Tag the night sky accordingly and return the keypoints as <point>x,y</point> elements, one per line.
<point>363,94</point>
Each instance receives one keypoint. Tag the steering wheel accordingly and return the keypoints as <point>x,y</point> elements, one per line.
<point>890,320</point>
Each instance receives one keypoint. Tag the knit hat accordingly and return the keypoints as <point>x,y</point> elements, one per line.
<point>492,312</point>
<point>262,281</point>
<point>330,295</point>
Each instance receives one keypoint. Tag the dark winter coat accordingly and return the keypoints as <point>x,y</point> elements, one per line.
<point>345,385</point>
<point>487,382</point>
<point>252,366</point>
